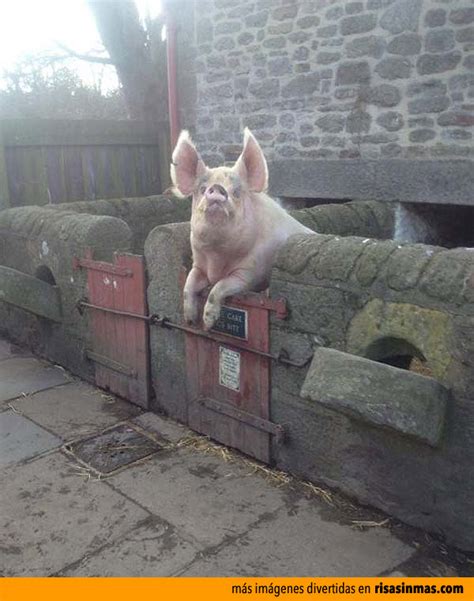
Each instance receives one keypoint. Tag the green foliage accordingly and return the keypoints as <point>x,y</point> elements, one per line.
<point>41,88</point>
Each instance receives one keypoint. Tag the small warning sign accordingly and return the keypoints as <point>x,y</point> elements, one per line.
<point>229,368</point>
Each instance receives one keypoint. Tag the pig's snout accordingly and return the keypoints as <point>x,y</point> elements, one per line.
<point>216,193</point>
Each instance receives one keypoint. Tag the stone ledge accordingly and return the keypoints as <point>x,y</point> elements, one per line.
<point>425,181</point>
<point>378,394</point>
<point>30,293</point>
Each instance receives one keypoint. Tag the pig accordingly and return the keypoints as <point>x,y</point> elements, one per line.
<point>236,228</point>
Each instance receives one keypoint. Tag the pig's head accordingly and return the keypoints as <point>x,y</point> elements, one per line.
<point>219,195</point>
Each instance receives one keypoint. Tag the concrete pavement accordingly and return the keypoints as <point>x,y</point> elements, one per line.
<point>165,501</point>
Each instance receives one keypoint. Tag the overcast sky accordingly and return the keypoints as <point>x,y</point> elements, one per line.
<point>32,26</point>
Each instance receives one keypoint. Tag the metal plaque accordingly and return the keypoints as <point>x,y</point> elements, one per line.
<point>232,322</point>
<point>229,368</point>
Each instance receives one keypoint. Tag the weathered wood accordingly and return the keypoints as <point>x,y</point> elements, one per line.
<point>4,189</point>
<point>62,132</point>
<point>55,161</point>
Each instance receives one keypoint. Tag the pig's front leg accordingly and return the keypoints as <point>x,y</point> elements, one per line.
<point>195,283</point>
<point>237,282</point>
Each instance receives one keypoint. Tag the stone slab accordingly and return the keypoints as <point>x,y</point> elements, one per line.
<point>150,550</point>
<point>52,516</point>
<point>162,427</point>
<point>446,181</point>
<point>22,375</point>
<point>301,542</point>
<point>21,439</point>
<point>75,410</point>
<point>203,496</point>
<point>30,293</point>
<point>378,394</point>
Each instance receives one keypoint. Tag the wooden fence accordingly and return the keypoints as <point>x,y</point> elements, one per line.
<point>51,161</point>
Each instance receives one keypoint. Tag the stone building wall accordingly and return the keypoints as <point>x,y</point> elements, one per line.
<point>329,79</point>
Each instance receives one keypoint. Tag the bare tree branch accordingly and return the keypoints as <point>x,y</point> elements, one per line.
<point>84,57</point>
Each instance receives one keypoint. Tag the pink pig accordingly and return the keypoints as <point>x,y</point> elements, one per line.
<point>236,229</point>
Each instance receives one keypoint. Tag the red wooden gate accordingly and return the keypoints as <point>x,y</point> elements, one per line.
<point>229,376</point>
<point>119,323</point>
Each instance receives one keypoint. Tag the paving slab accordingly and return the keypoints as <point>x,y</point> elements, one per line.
<point>21,439</point>
<point>75,410</point>
<point>202,495</point>
<point>162,427</point>
<point>150,550</point>
<point>51,516</point>
<point>301,543</point>
<point>26,375</point>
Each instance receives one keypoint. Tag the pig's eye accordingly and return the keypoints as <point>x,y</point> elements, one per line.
<point>202,189</point>
<point>237,192</point>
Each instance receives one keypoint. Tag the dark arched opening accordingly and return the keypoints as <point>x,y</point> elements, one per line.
<point>398,353</point>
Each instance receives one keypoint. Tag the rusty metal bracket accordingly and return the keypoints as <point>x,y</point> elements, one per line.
<point>109,268</point>
<point>110,364</point>
<point>249,419</point>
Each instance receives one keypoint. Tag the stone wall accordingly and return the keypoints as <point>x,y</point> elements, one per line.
<point>397,439</point>
<point>41,242</point>
<point>140,214</point>
<point>325,79</point>
<point>386,302</point>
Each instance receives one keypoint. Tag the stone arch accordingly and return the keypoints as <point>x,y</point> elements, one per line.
<point>401,332</point>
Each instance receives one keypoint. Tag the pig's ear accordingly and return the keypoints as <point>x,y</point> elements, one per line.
<point>251,165</point>
<point>186,165</point>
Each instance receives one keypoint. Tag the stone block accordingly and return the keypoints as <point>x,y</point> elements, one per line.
<point>331,123</point>
<point>402,15</point>
<point>301,85</point>
<point>391,121</point>
<point>258,19</point>
<point>421,135</point>
<point>435,17</point>
<point>428,104</point>
<point>358,24</point>
<point>405,44</point>
<point>440,40</point>
<point>438,63</point>
<point>378,394</point>
<point>381,95</point>
<point>365,46</point>
<point>462,16</point>
<point>393,68</point>
<point>358,122</point>
<point>352,73</point>
<point>30,293</point>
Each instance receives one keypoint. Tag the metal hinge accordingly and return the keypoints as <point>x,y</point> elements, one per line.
<point>259,423</point>
<point>111,364</point>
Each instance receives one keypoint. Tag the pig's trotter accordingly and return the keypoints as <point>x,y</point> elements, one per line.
<point>195,283</point>
<point>211,314</point>
<point>191,310</point>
